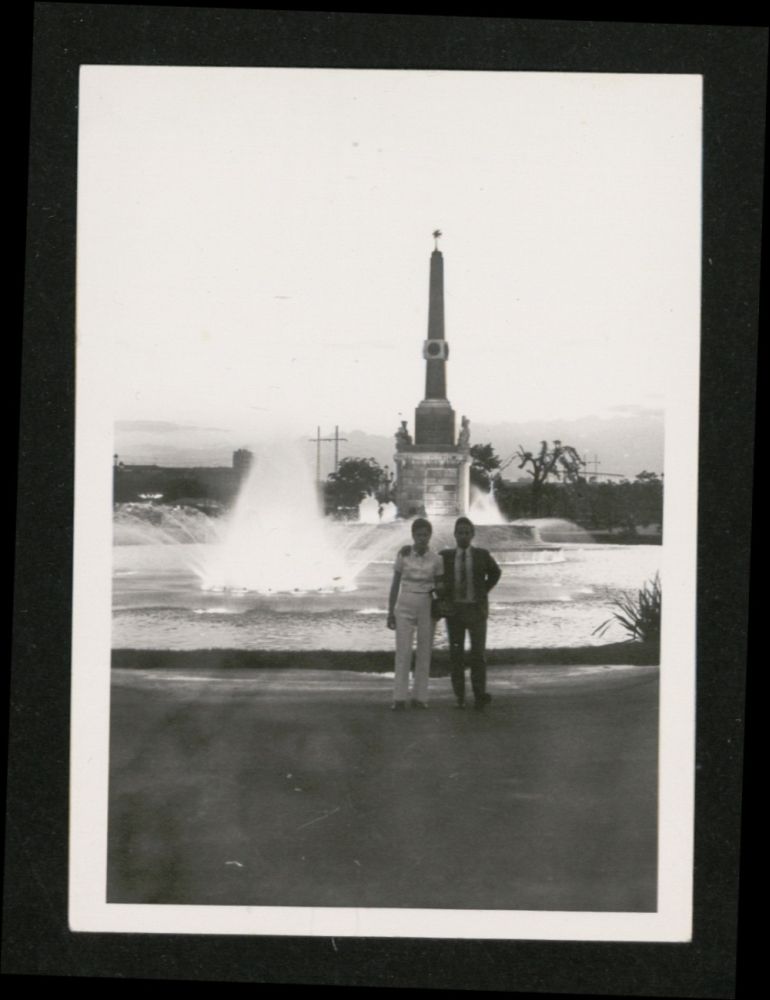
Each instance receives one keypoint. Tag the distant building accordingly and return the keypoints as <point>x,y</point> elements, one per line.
<point>242,461</point>
<point>204,485</point>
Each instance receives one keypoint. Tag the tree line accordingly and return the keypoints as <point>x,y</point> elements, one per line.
<point>559,487</point>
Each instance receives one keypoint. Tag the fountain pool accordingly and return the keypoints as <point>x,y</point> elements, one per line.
<point>549,595</point>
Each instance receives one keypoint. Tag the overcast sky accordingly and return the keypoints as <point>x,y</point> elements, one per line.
<point>253,244</point>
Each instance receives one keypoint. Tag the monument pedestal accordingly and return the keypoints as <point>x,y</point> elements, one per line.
<point>433,481</point>
<point>434,423</point>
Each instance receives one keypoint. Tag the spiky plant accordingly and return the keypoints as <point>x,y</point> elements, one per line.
<point>638,614</point>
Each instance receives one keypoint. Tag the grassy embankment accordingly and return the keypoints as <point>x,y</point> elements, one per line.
<point>380,661</point>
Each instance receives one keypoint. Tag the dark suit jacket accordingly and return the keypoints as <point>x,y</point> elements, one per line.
<point>486,573</point>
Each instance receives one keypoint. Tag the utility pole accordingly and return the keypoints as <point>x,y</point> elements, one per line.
<point>318,439</point>
<point>596,463</point>
<point>337,440</point>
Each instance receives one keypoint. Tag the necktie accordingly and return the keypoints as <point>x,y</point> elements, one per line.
<point>464,575</point>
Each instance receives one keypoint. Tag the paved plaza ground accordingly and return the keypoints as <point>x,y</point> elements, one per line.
<point>301,788</point>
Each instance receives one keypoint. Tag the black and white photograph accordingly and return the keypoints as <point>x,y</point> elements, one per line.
<point>397,393</point>
<point>392,377</point>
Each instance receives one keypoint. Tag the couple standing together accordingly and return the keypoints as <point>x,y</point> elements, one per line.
<point>460,578</point>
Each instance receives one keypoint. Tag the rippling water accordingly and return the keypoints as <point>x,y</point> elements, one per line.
<point>158,602</point>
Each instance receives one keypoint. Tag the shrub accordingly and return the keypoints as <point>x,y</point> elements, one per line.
<point>638,614</point>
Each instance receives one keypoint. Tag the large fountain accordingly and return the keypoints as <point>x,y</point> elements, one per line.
<point>276,539</point>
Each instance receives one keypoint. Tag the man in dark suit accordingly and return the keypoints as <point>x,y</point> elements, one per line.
<point>469,574</point>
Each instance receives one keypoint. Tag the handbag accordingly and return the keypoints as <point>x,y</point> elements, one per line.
<point>440,608</point>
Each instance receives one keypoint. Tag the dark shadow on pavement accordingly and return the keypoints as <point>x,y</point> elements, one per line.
<point>301,788</point>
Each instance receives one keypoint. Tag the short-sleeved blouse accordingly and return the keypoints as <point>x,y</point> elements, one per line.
<point>419,572</point>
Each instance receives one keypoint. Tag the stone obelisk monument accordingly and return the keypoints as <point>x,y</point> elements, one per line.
<point>432,471</point>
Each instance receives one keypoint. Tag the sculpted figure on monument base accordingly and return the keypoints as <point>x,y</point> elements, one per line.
<point>464,440</point>
<point>403,437</point>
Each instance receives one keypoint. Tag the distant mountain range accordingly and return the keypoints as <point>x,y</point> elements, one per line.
<point>627,443</point>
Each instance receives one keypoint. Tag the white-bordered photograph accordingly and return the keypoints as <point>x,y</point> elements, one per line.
<point>386,503</point>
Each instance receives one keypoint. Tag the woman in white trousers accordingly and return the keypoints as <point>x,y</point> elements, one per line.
<point>417,576</point>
